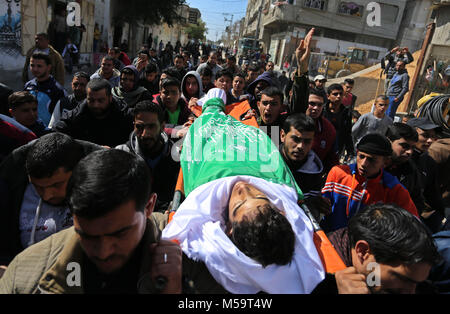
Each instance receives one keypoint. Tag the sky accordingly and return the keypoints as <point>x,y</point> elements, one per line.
<point>212,14</point>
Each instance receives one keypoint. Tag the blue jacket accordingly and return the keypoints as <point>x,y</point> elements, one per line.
<point>48,94</point>
<point>399,85</point>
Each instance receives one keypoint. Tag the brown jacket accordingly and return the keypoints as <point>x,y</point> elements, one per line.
<point>57,65</point>
<point>44,268</point>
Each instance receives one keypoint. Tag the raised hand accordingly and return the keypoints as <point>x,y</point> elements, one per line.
<point>303,52</point>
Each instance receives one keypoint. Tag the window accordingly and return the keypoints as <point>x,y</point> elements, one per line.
<point>351,8</point>
<point>373,54</point>
<point>315,4</point>
<point>389,13</point>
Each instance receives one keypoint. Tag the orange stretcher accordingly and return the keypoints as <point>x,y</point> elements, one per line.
<point>331,260</point>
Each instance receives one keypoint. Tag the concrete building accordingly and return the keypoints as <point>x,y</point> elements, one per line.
<point>136,35</point>
<point>21,20</point>
<point>339,25</point>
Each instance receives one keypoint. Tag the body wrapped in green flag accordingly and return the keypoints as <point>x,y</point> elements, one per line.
<point>219,146</point>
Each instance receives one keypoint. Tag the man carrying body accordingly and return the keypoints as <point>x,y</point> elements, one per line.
<point>387,241</point>
<point>35,177</point>
<point>297,137</point>
<point>114,242</point>
<point>56,60</point>
<point>149,141</point>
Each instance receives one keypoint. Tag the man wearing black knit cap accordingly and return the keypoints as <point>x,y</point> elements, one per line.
<point>352,187</point>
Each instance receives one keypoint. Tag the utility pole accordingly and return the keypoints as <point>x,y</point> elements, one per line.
<point>231,23</point>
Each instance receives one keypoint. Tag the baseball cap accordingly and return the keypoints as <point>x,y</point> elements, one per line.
<point>422,123</point>
<point>320,78</point>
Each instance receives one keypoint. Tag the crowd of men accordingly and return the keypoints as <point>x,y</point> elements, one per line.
<point>90,176</point>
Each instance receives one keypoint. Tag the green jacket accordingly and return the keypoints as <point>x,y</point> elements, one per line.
<point>57,65</point>
<point>41,268</point>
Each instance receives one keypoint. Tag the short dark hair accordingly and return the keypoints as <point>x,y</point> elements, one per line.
<point>239,74</point>
<point>349,81</point>
<point>205,71</point>
<point>300,121</point>
<point>383,97</point>
<point>116,49</point>
<point>268,238</point>
<point>45,35</point>
<point>399,130</point>
<point>171,82</point>
<point>127,71</point>
<point>224,72</point>
<point>106,179</point>
<point>273,91</point>
<point>178,56</point>
<point>318,93</point>
<point>393,234</point>
<point>151,67</point>
<point>231,58</point>
<point>83,75</point>
<point>253,68</point>
<point>333,87</point>
<point>98,84</point>
<point>356,114</point>
<point>41,56</point>
<point>149,106</point>
<point>172,72</point>
<point>108,58</point>
<point>50,152</point>
<point>17,99</point>
<point>144,51</point>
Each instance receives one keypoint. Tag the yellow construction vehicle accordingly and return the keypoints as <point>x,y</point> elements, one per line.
<point>340,66</point>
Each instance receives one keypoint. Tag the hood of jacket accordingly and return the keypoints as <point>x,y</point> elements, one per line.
<point>116,73</point>
<point>199,81</point>
<point>266,76</point>
<point>136,149</point>
<point>313,164</point>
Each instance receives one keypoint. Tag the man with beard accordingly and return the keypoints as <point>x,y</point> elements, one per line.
<point>33,180</point>
<point>79,83</point>
<point>128,90</point>
<point>45,88</point>
<point>101,119</point>
<point>297,136</point>
<point>149,141</point>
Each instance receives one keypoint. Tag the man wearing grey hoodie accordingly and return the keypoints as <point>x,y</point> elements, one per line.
<point>129,90</point>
